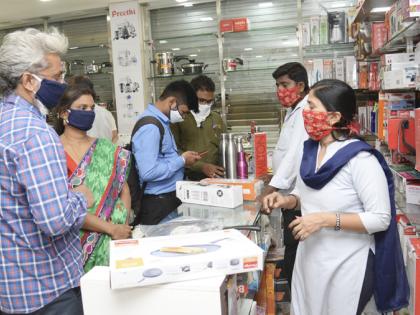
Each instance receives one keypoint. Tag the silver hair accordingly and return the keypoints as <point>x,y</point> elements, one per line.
<point>26,50</point>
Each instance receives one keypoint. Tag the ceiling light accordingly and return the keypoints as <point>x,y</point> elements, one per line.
<point>259,56</point>
<point>45,0</point>
<point>176,49</point>
<point>248,49</point>
<point>193,55</point>
<point>265,4</point>
<point>380,9</point>
<point>181,1</point>
<point>188,5</point>
<point>108,18</point>
<point>205,19</point>
<point>74,47</point>
<point>163,41</point>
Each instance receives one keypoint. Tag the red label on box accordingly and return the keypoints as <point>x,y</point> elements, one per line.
<point>260,154</point>
<point>240,25</point>
<point>417,131</point>
<point>250,262</point>
<point>226,26</point>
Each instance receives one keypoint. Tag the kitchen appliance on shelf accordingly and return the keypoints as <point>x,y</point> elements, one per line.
<point>77,67</point>
<point>92,68</point>
<point>230,64</point>
<point>164,64</point>
<point>192,67</point>
<point>106,67</point>
<point>337,27</point>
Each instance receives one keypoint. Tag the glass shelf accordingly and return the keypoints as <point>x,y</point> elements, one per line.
<point>75,47</point>
<point>214,34</point>
<point>328,47</point>
<point>252,69</point>
<point>286,30</point>
<point>396,43</point>
<point>179,75</point>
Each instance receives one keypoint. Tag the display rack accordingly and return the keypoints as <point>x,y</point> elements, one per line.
<point>364,13</point>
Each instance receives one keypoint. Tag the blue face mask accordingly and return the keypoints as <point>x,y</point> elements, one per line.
<point>49,92</point>
<point>81,119</point>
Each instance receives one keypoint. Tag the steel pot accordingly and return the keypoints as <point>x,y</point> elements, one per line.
<point>106,67</point>
<point>164,64</point>
<point>193,68</point>
<point>92,68</point>
<point>230,64</point>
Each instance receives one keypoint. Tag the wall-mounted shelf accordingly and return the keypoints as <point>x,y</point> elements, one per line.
<point>75,47</point>
<point>398,41</point>
<point>364,11</point>
<point>180,75</point>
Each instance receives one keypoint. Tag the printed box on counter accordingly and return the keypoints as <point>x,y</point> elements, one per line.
<point>412,193</point>
<point>228,196</point>
<point>413,274</point>
<point>154,260</point>
<point>251,188</point>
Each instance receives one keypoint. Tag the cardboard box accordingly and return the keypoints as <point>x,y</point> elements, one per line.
<point>179,298</point>
<point>259,141</point>
<point>328,69</point>
<point>413,274</point>
<point>165,259</point>
<point>251,188</point>
<point>417,127</point>
<point>337,27</point>
<point>318,71</point>
<point>323,30</point>
<point>351,71</point>
<point>400,79</point>
<point>339,72</point>
<point>412,193</point>
<point>314,24</point>
<point>306,36</point>
<point>227,196</point>
<point>397,61</point>
<point>379,36</point>
<point>397,134</point>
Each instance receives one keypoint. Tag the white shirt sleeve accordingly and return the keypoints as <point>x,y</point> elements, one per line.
<point>112,121</point>
<point>371,186</point>
<point>285,176</point>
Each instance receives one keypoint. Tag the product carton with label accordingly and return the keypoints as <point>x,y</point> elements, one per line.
<point>412,193</point>
<point>251,188</point>
<point>165,259</point>
<point>228,196</point>
<point>413,274</point>
<point>259,146</point>
<point>314,23</point>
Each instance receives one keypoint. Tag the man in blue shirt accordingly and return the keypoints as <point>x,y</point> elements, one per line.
<point>162,169</point>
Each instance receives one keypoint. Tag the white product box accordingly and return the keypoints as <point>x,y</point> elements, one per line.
<point>306,34</point>
<point>314,24</point>
<point>208,296</point>
<point>413,274</point>
<point>351,71</point>
<point>318,72</point>
<point>228,196</point>
<point>398,61</point>
<point>323,30</point>
<point>339,73</point>
<point>165,259</point>
<point>412,193</point>
<point>400,79</point>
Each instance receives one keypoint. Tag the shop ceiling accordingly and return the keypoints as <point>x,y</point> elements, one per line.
<point>16,13</point>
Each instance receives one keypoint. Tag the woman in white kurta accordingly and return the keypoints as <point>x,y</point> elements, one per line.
<point>337,220</point>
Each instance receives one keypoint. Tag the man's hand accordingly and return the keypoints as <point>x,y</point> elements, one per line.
<point>191,157</point>
<point>87,193</point>
<point>273,201</point>
<point>267,190</point>
<point>120,231</point>
<point>211,170</point>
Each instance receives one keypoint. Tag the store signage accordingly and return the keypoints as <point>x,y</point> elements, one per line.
<point>234,25</point>
<point>126,38</point>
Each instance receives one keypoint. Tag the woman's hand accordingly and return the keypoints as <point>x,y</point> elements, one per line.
<point>273,201</point>
<point>304,226</point>
<point>120,231</point>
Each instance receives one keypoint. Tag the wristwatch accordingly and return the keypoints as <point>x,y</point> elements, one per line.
<point>337,222</point>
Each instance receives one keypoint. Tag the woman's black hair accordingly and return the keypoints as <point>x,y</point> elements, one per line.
<point>337,96</point>
<point>73,92</point>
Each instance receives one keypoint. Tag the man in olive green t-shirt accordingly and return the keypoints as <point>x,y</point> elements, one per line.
<point>200,132</point>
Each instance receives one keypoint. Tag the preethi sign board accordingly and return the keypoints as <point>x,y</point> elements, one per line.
<point>126,38</point>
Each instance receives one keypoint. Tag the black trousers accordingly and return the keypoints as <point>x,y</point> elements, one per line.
<point>290,243</point>
<point>69,303</point>
<point>154,208</point>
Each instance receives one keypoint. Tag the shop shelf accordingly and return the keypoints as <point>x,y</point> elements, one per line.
<point>179,75</point>
<point>76,47</point>
<point>364,11</point>
<point>186,36</point>
<point>328,47</point>
<point>397,42</point>
<point>279,30</point>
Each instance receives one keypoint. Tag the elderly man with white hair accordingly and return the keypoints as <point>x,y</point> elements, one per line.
<point>40,218</point>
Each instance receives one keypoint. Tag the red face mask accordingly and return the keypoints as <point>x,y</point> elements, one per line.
<point>288,97</point>
<point>316,124</point>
